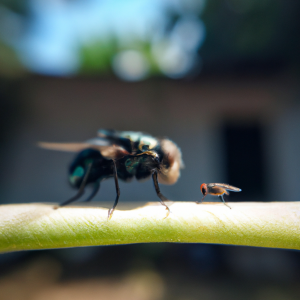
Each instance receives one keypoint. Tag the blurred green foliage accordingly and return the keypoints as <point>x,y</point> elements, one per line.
<point>17,6</point>
<point>96,56</point>
<point>251,32</point>
<point>10,65</point>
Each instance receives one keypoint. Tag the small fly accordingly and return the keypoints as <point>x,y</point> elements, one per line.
<point>217,189</point>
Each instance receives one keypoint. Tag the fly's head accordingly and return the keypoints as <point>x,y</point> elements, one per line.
<point>203,189</point>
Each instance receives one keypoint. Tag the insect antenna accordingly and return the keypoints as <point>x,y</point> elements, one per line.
<point>81,188</point>
<point>224,201</point>
<point>159,194</point>
<point>110,212</point>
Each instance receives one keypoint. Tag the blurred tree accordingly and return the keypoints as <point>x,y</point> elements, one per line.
<point>240,36</point>
<point>10,65</point>
<point>250,36</point>
<point>17,6</point>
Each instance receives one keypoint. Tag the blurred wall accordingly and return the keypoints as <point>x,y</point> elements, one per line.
<point>211,119</point>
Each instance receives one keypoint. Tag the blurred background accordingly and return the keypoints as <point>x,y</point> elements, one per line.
<point>218,77</point>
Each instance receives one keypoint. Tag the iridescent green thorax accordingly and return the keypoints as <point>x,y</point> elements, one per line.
<point>132,164</point>
<point>144,141</point>
<point>141,144</point>
<point>133,142</point>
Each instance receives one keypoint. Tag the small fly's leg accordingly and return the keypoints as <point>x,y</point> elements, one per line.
<point>159,194</point>
<point>110,212</point>
<point>81,188</point>
<point>224,201</point>
<point>199,202</point>
<point>94,192</point>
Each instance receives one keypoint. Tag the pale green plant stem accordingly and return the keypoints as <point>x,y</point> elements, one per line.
<point>39,226</point>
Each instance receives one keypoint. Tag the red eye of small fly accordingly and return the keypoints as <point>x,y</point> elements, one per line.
<point>203,188</point>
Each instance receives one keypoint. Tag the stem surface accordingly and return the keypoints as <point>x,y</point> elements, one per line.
<point>39,226</point>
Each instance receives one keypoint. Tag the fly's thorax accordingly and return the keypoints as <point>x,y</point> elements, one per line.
<point>216,190</point>
<point>147,143</point>
<point>132,163</point>
<point>142,162</point>
<point>139,137</point>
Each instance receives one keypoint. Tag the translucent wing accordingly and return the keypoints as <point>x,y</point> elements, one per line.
<point>68,147</point>
<point>224,186</point>
<point>106,149</point>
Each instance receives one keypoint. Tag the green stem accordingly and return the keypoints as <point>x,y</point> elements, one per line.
<point>39,226</point>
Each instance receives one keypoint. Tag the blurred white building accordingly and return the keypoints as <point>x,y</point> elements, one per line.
<point>243,131</point>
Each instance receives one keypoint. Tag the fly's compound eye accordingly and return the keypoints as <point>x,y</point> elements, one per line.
<point>203,189</point>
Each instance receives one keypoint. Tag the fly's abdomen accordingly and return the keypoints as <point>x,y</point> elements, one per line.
<point>100,167</point>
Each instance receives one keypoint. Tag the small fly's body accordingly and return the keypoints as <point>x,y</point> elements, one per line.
<point>121,155</point>
<point>217,189</point>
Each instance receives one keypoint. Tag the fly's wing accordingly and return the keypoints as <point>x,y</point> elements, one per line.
<point>105,147</point>
<point>224,186</point>
<point>67,147</point>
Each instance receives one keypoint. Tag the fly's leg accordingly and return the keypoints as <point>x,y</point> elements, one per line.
<point>110,212</point>
<point>199,202</point>
<point>224,201</point>
<point>159,194</point>
<point>81,188</point>
<point>94,192</point>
